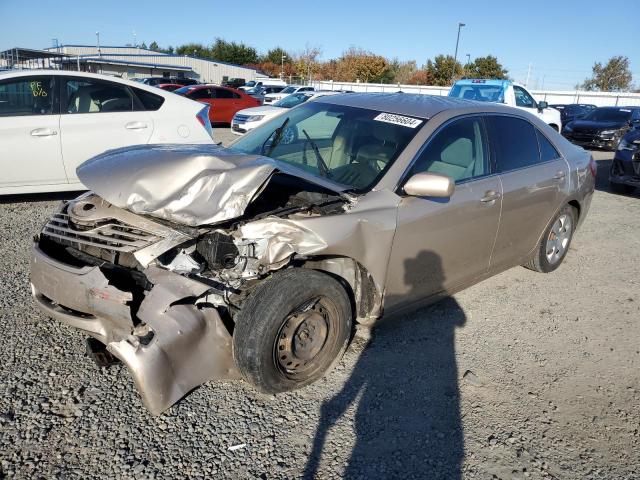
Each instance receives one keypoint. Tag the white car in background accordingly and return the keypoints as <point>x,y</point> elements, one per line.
<point>274,97</point>
<point>509,93</point>
<point>51,121</point>
<point>250,118</point>
<point>263,82</point>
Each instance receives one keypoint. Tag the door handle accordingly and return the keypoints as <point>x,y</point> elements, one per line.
<point>43,132</point>
<point>560,175</point>
<point>135,125</point>
<point>490,196</point>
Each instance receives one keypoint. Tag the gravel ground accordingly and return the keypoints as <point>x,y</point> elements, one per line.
<point>522,376</point>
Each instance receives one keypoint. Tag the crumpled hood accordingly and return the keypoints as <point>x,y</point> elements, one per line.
<point>188,184</point>
<point>590,124</point>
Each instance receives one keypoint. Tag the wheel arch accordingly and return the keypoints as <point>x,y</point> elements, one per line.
<point>365,295</point>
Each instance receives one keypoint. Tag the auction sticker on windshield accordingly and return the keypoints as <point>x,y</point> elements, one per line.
<point>398,120</point>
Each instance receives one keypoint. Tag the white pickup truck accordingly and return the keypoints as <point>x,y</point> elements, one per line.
<point>507,92</point>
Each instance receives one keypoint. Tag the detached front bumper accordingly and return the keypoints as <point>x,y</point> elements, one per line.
<point>170,348</point>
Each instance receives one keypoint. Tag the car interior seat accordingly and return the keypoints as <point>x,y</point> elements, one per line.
<point>81,101</point>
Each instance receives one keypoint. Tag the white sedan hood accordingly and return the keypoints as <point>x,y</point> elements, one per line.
<point>188,184</point>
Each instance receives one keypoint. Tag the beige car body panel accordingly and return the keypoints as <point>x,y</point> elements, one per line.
<point>383,244</point>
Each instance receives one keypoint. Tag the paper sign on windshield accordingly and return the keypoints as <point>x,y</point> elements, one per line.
<point>398,120</point>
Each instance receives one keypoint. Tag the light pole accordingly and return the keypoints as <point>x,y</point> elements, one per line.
<point>460,25</point>
<point>468,58</point>
<point>98,43</point>
<point>282,66</point>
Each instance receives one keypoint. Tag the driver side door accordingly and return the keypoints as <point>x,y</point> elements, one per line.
<point>443,243</point>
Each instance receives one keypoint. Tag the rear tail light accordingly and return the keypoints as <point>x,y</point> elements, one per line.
<point>593,166</point>
<point>203,118</point>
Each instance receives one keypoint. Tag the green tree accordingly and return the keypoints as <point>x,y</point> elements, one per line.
<point>402,72</point>
<point>194,49</point>
<point>485,67</point>
<point>144,45</point>
<point>154,46</point>
<point>443,70</point>
<point>233,52</point>
<point>275,56</point>
<point>614,76</point>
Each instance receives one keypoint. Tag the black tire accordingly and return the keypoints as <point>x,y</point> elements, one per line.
<point>540,262</point>
<point>271,339</point>
<point>621,188</point>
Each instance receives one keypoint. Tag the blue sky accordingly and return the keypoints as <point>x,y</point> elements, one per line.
<point>561,39</point>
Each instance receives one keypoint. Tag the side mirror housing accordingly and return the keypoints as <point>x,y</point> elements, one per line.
<point>542,105</point>
<point>428,184</point>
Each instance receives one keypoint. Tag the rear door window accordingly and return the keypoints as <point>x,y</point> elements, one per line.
<point>199,94</point>
<point>514,141</point>
<point>222,93</point>
<point>148,100</point>
<point>86,95</point>
<point>547,151</point>
<point>27,96</point>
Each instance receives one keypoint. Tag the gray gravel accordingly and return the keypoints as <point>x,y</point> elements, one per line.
<point>522,376</point>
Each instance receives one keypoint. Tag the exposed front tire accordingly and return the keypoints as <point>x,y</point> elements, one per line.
<point>555,242</point>
<point>292,329</point>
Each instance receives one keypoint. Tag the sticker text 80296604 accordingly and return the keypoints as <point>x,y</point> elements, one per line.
<point>398,120</point>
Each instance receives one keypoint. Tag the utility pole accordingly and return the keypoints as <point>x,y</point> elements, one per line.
<point>526,83</point>
<point>135,42</point>
<point>282,66</point>
<point>455,55</point>
<point>98,43</point>
<point>460,25</point>
<point>468,58</point>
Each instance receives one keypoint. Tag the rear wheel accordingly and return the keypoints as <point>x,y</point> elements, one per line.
<point>555,242</point>
<point>291,330</point>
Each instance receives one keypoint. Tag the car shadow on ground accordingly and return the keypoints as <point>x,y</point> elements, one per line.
<point>407,422</point>
<point>602,177</point>
<point>39,197</point>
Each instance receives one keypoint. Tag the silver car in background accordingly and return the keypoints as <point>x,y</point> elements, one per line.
<point>192,263</point>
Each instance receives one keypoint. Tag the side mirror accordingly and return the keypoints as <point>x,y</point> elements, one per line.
<point>429,185</point>
<point>542,105</point>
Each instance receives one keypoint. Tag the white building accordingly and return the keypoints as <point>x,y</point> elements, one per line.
<point>133,62</point>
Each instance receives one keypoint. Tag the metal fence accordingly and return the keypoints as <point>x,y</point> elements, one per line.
<point>601,99</point>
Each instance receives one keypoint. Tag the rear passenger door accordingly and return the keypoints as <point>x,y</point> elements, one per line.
<point>441,243</point>
<point>224,105</point>
<point>30,133</point>
<point>534,181</point>
<point>96,116</point>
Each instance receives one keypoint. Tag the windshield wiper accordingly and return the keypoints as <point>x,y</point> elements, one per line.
<point>322,166</point>
<point>277,135</point>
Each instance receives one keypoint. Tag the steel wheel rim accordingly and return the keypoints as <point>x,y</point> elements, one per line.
<point>288,136</point>
<point>305,337</point>
<point>559,238</point>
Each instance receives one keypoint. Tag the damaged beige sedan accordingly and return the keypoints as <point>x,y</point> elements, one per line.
<point>192,263</point>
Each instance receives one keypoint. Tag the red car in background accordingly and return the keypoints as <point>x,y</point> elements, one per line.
<point>223,102</point>
<point>169,87</point>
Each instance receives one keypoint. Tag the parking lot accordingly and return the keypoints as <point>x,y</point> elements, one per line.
<point>524,375</point>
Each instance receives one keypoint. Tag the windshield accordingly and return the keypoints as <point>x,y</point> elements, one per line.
<point>288,90</point>
<point>250,83</point>
<point>292,100</point>
<point>350,146</point>
<point>253,91</point>
<point>609,115</point>
<point>481,93</point>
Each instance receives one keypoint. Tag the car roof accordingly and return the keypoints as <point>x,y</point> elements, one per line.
<point>484,81</point>
<point>412,104</point>
<point>73,73</point>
